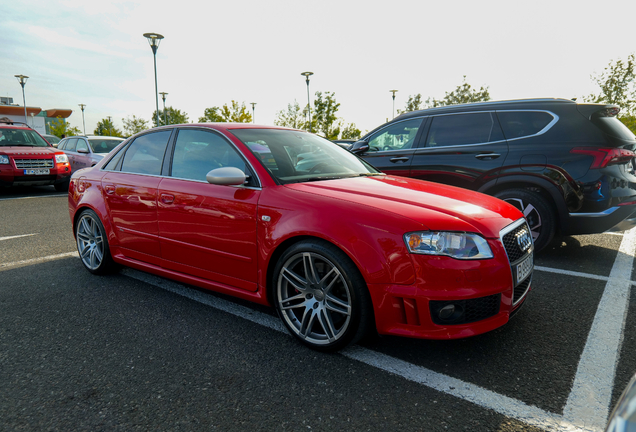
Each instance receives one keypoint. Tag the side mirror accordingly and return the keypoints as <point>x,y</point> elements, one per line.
<point>226,176</point>
<point>82,150</point>
<point>359,147</point>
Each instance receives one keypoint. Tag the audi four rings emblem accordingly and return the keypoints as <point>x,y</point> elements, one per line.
<point>524,240</point>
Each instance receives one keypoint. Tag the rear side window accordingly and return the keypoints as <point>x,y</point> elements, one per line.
<point>519,124</point>
<point>145,154</point>
<point>463,129</point>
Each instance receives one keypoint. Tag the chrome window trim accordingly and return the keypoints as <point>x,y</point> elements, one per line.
<point>555,118</point>
<point>607,212</point>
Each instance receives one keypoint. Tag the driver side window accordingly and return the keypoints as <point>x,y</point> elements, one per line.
<point>398,136</point>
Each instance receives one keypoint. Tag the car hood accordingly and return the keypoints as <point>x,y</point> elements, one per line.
<point>28,151</point>
<point>437,207</point>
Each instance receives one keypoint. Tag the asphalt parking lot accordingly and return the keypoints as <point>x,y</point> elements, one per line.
<point>131,351</point>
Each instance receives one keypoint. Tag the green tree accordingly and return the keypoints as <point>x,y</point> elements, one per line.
<point>172,116</point>
<point>464,93</point>
<point>211,115</point>
<point>59,127</point>
<point>351,132</point>
<point>618,87</point>
<point>413,104</point>
<point>293,117</point>
<point>105,127</point>
<point>233,113</point>
<point>134,125</point>
<point>324,119</point>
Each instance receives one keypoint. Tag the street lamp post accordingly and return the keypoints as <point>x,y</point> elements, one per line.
<point>23,79</point>
<point>253,111</point>
<point>307,75</point>
<point>82,106</point>
<point>393,91</point>
<point>163,97</point>
<point>154,39</point>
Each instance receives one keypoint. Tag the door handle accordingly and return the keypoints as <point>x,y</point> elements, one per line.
<point>167,198</point>
<point>110,189</point>
<point>488,156</point>
<point>399,159</point>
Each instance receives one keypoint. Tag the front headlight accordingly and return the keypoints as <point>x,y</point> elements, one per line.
<point>4,159</point>
<point>453,244</point>
<point>61,158</point>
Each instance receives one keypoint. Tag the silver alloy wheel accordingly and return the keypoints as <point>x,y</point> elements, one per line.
<point>314,298</point>
<point>531,214</point>
<point>90,242</point>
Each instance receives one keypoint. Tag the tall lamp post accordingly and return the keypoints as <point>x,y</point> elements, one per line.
<point>393,91</point>
<point>307,75</point>
<point>82,106</point>
<point>163,97</point>
<point>23,79</point>
<point>154,39</point>
<point>253,111</point>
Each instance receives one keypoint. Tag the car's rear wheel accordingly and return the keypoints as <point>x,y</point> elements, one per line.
<point>537,211</point>
<point>92,244</point>
<point>321,296</point>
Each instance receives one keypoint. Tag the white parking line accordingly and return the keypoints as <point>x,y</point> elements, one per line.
<point>17,236</point>
<point>38,260</point>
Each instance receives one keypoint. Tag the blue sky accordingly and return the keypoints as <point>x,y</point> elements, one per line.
<point>254,51</point>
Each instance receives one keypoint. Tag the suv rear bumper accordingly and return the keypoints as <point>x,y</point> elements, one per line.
<point>617,218</point>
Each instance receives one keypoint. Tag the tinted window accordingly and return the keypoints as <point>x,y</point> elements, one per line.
<point>197,152</point>
<point>71,144</point>
<point>516,124</point>
<point>397,136</point>
<point>460,129</point>
<point>103,145</point>
<point>145,154</point>
<point>81,145</point>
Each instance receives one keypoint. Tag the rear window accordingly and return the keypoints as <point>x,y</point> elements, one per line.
<point>519,124</point>
<point>613,127</point>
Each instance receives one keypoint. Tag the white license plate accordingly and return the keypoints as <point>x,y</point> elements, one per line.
<point>37,171</point>
<point>524,268</point>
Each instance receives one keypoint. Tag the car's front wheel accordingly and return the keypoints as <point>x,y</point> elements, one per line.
<point>92,244</point>
<point>537,211</point>
<point>321,296</point>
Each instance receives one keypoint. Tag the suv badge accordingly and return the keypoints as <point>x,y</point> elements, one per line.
<point>524,240</point>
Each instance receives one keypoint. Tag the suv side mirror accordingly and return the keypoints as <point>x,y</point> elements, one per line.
<point>359,147</point>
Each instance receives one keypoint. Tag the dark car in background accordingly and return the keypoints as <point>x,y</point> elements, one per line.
<point>567,166</point>
<point>86,151</point>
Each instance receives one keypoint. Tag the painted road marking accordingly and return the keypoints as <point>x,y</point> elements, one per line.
<point>17,236</point>
<point>38,260</point>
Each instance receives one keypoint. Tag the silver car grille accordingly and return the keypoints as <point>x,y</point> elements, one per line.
<point>33,163</point>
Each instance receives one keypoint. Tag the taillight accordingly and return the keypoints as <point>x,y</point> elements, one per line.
<point>606,156</point>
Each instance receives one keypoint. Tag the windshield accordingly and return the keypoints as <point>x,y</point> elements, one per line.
<point>21,137</point>
<point>103,145</point>
<point>295,156</point>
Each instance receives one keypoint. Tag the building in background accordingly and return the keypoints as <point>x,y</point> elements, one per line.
<point>37,118</point>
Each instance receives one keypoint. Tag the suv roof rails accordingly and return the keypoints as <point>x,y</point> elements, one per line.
<point>7,120</point>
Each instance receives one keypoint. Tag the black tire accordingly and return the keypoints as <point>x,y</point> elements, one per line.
<point>538,213</point>
<point>92,244</point>
<point>320,296</point>
<point>63,186</point>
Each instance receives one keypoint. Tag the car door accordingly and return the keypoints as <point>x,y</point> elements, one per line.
<point>461,149</point>
<point>391,148</point>
<point>71,151</point>
<point>130,192</point>
<point>208,230</point>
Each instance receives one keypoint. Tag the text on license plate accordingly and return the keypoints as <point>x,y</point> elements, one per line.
<point>37,171</point>
<point>524,268</point>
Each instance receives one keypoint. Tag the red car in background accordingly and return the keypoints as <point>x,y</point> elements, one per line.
<point>282,217</point>
<point>27,159</point>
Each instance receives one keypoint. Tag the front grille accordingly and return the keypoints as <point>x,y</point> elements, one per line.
<point>33,163</point>
<point>509,240</point>
<point>521,290</point>
<point>516,240</point>
<point>476,309</point>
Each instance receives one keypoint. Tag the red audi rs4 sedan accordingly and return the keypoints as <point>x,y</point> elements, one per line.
<point>285,218</point>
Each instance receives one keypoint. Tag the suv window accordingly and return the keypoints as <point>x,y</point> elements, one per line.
<point>517,124</point>
<point>397,136</point>
<point>197,152</point>
<point>145,154</point>
<point>461,129</point>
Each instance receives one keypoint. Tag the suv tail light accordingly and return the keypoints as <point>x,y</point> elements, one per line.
<point>606,156</point>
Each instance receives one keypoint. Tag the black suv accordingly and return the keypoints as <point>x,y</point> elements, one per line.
<point>567,166</point>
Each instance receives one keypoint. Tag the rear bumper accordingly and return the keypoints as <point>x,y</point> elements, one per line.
<point>617,218</point>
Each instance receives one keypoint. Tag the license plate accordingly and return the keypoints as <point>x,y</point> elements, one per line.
<point>524,268</point>
<point>37,171</point>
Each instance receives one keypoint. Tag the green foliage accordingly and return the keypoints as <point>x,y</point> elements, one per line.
<point>134,125</point>
<point>351,132</point>
<point>172,116</point>
<point>233,113</point>
<point>413,104</point>
<point>59,127</point>
<point>105,127</point>
<point>618,87</point>
<point>464,93</point>
<point>324,119</point>
<point>293,117</point>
